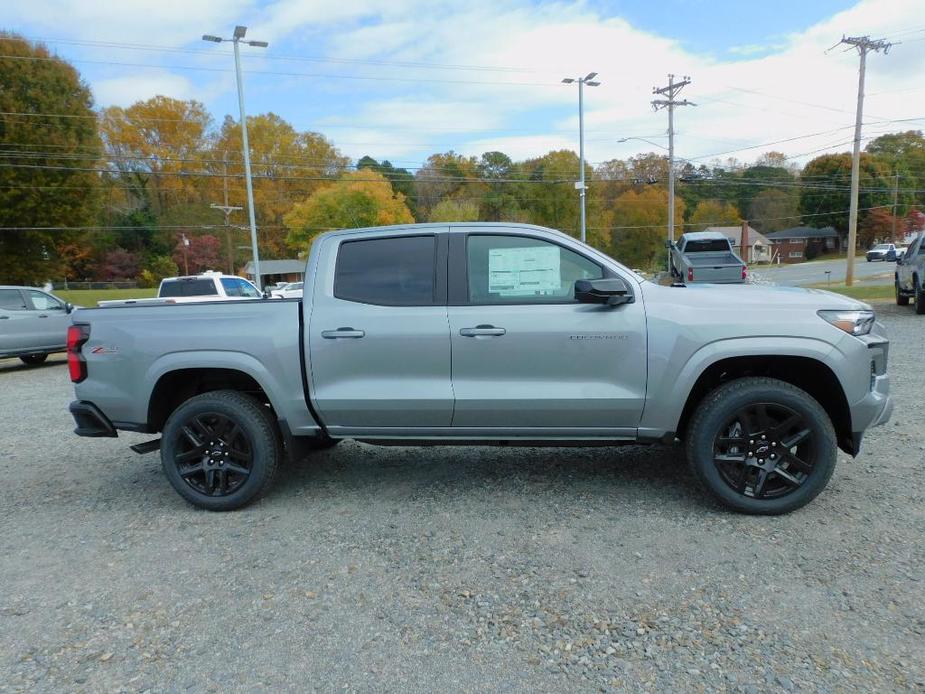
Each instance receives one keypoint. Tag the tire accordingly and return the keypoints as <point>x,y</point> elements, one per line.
<point>787,477</point>
<point>919,297</point>
<point>901,299</point>
<point>232,469</point>
<point>33,359</point>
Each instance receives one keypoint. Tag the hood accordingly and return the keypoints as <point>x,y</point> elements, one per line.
<point>759,297</point>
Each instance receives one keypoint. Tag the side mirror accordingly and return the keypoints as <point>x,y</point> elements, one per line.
<point>899,260</point>
<point>266,293</point>
<point>611,292</point>
<point>68,307</point>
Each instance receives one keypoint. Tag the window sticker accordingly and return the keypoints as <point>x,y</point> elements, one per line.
<point>524,271</point>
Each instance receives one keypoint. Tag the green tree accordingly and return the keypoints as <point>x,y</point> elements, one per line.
<point>455,211</point>
<point>825,196</point>
<point>402,180</point>
<point>774,209</point>
<point>358,199</point>
<point>714,213</point>
<point>445,175</point>
<point>548,196</point>
<point>41,181</point>
<point>640,226</point>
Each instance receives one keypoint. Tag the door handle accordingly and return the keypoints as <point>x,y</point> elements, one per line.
<point>43,315</point>
<point>342,332</point>
<point>4,317</point>
<point>482,330</point>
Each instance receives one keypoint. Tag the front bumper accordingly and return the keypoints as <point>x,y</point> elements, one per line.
<point>90,420</point>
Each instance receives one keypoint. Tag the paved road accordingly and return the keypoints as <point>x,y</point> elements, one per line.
<point>464,569</point>
<point>813,272</point>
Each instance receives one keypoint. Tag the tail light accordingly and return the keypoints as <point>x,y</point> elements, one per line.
<point>77,335</point>
<point>690,274</point>
<point>744,272</point>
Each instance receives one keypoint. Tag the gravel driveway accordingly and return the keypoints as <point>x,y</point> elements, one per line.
<point>455,569</point>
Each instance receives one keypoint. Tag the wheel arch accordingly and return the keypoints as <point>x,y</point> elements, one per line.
<point>805,372</point>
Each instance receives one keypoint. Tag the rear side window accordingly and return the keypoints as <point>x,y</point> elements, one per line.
<point>11,300</point>
<point>391,271</point>
<point>188,288</point>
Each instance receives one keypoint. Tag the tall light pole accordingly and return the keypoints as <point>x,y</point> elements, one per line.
<point>236,39</point>
<point>671,91</point>
<point>582,81</point>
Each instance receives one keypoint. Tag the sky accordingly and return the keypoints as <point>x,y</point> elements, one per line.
<point>402,79</point>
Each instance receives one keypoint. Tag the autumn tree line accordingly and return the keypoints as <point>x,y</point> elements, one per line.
<point>128,193</point>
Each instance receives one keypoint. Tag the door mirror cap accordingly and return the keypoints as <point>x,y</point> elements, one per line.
<point>899,260</point>
<point>612,291</point>
<point>68,307</point>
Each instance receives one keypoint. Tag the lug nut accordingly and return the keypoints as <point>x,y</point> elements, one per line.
<point>751,440</point>
<point>761,461</point>
<point>773,443</point>
<point>763,437</point>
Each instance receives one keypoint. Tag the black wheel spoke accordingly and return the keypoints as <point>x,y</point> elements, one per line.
<point>237,469</point>
<point>731,441</point>
<point>796,462</point>
<point>192,436</point>
<point>195,452</point>
<point>762,419</point>
<point>189,470</point>
<point>779,431</point>
<point>760,480</point>
<point>784,474</point>
<point>796,439</point>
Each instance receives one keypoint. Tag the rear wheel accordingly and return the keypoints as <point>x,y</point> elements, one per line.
<point>919,297</point>
<point>901,299</point>
<point>33,359</point>
<point>761,446</point>
<point>220,450</point>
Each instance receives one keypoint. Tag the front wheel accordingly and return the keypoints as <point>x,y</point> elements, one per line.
<point>761,446</point>
<point>901,299</point>
<point>220,450</point>
<point>33,359</point>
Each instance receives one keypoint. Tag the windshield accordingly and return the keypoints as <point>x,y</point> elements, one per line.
<point>705,246</point>
<point>882,247</point>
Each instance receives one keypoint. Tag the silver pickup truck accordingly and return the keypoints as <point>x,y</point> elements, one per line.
<point>487,334</point>
<point>706,257</point>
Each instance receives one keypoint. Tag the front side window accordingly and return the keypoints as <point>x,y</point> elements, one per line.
<point>516,269</point>
<point>11,300</point>
<point>43,302</point>
<point>395,271</point>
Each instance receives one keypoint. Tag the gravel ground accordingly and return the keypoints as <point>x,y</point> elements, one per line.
<point>455,569</point>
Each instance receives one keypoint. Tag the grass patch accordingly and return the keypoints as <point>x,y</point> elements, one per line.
<point>89,297</point>
<point>860,292</point>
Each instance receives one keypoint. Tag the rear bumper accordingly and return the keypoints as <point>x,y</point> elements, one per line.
<point>90,420</point>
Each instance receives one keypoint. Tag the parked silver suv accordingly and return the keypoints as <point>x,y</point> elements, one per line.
<point>33,323</point>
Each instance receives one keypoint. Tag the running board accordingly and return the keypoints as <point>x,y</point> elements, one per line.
<point>146,447</point>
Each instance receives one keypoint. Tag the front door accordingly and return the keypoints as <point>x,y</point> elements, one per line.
<point>526,355</point>
<point>379,343</point>
<point>49,320</point>
<point>15,321</point>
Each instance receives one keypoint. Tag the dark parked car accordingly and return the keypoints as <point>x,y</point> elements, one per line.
<point>33,324</point>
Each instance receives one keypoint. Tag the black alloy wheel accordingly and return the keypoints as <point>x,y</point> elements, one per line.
<point>761,445</point>
<point>33,359</point>
<point>220,450</point>
<point>764,451</point>
<point>213,454</point>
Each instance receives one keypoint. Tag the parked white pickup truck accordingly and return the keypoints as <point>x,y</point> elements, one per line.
<point>191,289</point>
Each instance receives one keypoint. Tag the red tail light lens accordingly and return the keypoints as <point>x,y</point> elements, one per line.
<point>744,272</point>
<point>690,274</point>
<point>77,335</point>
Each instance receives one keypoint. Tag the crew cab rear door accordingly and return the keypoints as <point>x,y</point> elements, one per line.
<point>527,357</point>
<point>379,343</point>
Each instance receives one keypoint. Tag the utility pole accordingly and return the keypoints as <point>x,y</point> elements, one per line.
<point>227,209</point>
<point>863,44</point>
<point>237,38</point>
<point>582,81</point>
<point>895,200</point>
<point>671,91</point>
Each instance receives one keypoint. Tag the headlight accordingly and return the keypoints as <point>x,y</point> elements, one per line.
<point>852,322</point>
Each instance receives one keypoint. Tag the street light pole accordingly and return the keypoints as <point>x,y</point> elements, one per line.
<point>239,32</point>
<point>582,81</point>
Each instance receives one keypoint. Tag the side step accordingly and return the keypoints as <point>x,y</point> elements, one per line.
<point>146,447</point>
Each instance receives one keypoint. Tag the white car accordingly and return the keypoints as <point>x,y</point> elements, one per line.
<point>208,286</point>
<point>293,290</point>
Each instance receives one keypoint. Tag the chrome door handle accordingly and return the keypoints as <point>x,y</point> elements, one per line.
<point>4,317</point>
<point>482,330</point>
<point>43,315</point>
<point>342,332</point>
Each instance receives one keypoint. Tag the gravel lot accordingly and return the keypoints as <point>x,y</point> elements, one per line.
<point>454,569</point>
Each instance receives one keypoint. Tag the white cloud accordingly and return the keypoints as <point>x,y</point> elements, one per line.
<point>124,91</point>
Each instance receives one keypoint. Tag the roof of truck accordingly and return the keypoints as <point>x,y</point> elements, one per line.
<point>704,236</point>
